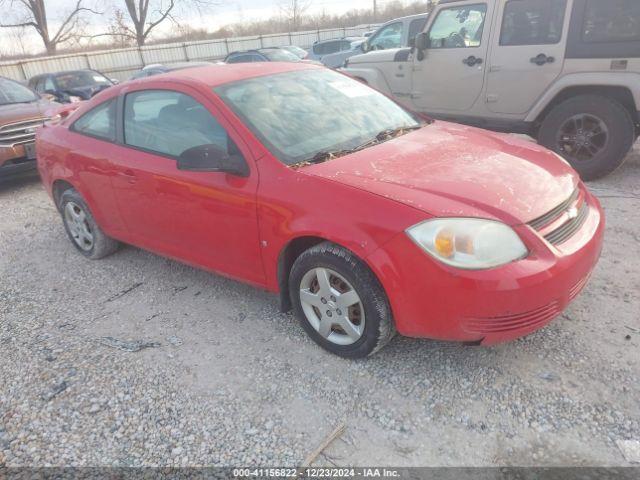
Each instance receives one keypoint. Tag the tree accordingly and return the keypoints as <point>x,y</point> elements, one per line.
<point>143,16</point>
<point>33,13</point>
<point>294,11</point>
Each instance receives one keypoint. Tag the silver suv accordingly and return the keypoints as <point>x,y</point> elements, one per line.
<point>566,72</point>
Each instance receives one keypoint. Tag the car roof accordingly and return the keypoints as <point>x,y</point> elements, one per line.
<point>341,39</point>
<point>62,72</point>
<point>409,17</point>
<point>216,75</point>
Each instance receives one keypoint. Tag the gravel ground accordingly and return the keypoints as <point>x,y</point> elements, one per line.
<point>222,378</point>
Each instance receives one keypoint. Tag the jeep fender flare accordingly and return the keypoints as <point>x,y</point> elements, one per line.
<point>372,76</point>
<point>628,80</point>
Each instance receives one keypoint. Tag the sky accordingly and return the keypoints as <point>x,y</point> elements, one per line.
<point>226,12</point>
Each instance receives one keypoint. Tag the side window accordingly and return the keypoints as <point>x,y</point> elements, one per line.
<point>532,22</point>
<point>611,21</point>
<point>39,85</point>
<point>345,45</point>
<point>48,84</point>
<point>458,27</point>
<point>99,122</point>
<point>416,26</point>
<point>238,59</point>
<point>389,37</point>
<point>169,123</point>
<point>257,58</point>
<point>331,47</point>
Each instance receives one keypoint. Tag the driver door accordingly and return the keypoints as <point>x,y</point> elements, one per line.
<point>449,76</point>
<point>208,219</point>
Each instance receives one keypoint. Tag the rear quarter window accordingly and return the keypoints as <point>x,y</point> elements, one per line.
<point>99,122</point>
<point>611,21</point>
<point>604,29</point>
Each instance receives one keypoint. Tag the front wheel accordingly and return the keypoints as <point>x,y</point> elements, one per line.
<point>593,133</point>
<point>339,302</point>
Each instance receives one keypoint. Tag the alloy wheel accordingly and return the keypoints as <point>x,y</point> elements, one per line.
<point>332,306</point>
<point>582,137</point>
<point>76,220</point>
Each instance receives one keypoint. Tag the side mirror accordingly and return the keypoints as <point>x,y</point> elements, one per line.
<point>364,46</point>
<point>211,158</point>
<point>422,41</point>
<point>115,81</point>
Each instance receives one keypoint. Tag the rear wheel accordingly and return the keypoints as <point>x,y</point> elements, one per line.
<point>339,302</point>
<point>593,133</point>
<point>82,229</point>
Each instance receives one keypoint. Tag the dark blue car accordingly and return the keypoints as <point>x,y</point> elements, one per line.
<point>71,86</point>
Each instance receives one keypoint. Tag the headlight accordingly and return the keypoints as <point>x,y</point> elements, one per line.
<point>468,243</point>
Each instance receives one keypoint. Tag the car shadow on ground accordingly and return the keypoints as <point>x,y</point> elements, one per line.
<point>7,184</point>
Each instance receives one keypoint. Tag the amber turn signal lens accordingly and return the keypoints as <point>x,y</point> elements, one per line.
<point>445,243</point>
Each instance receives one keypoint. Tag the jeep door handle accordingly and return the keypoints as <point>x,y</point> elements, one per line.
<point>542,59</point>
<point>472,61</point>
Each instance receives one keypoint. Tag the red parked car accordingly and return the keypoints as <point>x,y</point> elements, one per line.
<point>366,218</point>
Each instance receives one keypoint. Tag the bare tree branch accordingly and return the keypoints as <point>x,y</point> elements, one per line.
<point>146,15</point>
<point>34,15</point>
<point>294,11</point>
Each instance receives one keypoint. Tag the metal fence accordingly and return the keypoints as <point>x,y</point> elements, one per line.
<point>122,63</point>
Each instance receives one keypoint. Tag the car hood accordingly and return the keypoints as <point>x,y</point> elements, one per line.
<point>452,170</point>
<point>86,92</point>
<point>376,56</point>
<point>17,112</point>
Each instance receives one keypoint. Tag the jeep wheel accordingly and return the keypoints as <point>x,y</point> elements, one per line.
<point>593,133</point>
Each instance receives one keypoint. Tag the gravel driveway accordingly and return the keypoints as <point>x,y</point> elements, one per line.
<point>138,360</point>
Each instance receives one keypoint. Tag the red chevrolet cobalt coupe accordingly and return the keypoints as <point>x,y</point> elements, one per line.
<point>366,218</point>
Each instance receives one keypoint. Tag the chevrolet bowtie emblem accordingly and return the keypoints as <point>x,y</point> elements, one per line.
<point>572,213</point>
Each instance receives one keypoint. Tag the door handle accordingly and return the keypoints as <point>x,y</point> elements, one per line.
<point>542,59</point>
<point>472,61</point>
<point>129,175</point>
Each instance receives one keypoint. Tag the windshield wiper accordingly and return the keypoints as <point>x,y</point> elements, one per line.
<point>395,132</point>
<point>322,156</point>
<point>384,135</point>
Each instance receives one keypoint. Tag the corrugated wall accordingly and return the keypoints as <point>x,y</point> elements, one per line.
<point>122,63</point>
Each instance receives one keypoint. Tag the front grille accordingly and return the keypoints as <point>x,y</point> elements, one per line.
<point>20,132</point>
<point>570,227</point>
<point>506,323</point>
<point>566,231</point>
<point>554,214</point>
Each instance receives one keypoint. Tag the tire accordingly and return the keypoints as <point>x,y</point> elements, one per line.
<point>556,133</point>
<point>368,320</point>
<point>82,227</point>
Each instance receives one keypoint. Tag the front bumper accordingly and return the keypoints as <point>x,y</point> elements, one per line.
<point>13,161</point>
<point>432,300</point>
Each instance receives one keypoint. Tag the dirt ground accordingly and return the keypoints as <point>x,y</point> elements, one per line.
<point>228,380</point>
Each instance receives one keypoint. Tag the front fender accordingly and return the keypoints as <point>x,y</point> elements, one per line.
<point>370,75</point>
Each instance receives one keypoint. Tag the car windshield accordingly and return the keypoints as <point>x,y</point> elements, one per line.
<point>300,115</point>
<point>279,55</point>
<point>80,79</point>
<point>13,92</point>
